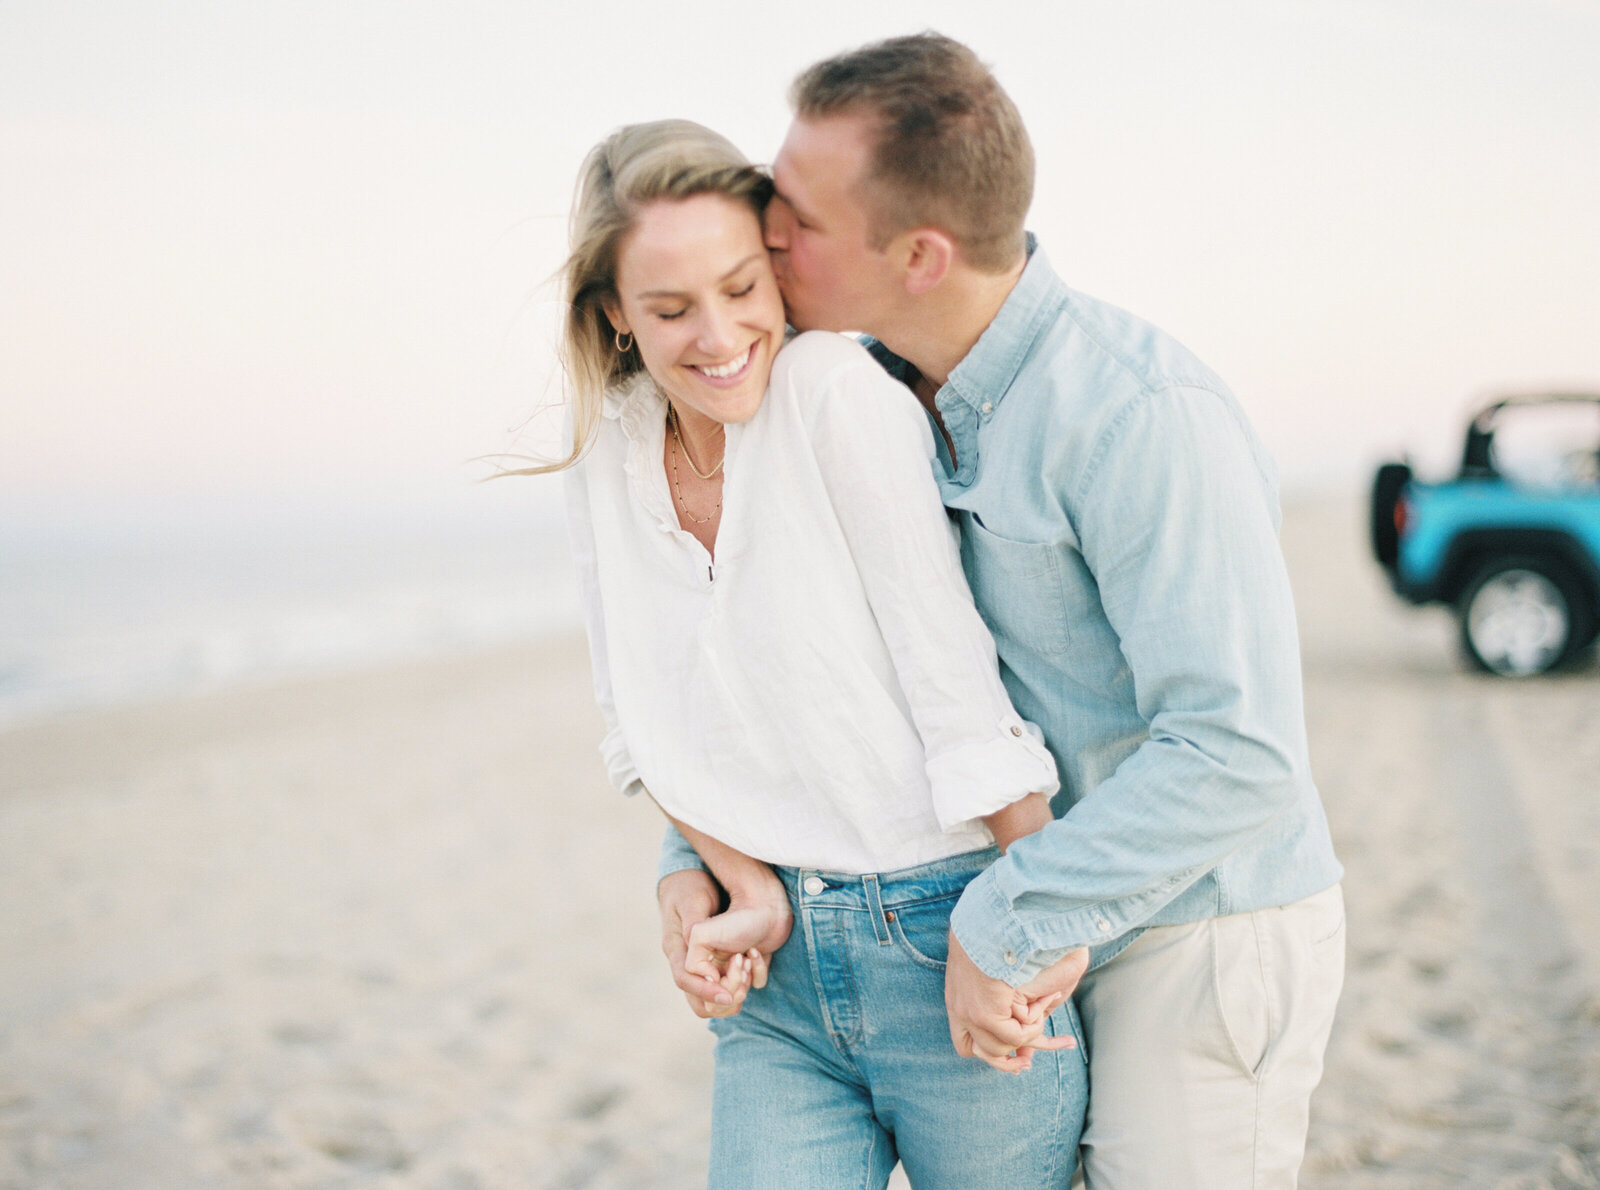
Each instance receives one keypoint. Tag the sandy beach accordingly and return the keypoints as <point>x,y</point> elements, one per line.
<point>393,929</point>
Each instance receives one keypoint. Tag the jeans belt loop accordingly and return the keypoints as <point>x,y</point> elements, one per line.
<point>880,926</point>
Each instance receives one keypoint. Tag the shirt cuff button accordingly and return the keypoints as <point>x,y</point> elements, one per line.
<point>1102,924</point>
<point>1011,959</point>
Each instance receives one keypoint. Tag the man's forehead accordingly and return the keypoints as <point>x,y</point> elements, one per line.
<point>842,135</point>
<point>819,156</point>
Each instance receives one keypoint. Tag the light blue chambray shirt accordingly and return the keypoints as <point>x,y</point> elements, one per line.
<point>1119,524</point>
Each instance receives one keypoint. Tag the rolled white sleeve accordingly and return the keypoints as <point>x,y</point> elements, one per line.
<point>874,446</point>
<point>580,529</point>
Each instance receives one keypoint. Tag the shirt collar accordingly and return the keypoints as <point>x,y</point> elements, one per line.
<point>636,403</point>
<point>986,372</point>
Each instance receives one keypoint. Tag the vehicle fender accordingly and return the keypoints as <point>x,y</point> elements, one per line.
<point>1469,551</point>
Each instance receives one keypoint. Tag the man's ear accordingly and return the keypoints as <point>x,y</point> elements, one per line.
<point>926,256</point>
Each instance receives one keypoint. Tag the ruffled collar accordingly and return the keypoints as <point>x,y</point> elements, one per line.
<point>637,404</point>
<point>639,408</point>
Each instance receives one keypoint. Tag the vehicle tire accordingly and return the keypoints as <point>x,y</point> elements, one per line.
<point>1387,485</point>
<point>1525,615</point>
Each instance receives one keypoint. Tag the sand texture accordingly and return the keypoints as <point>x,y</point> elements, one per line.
<point>393,930</point>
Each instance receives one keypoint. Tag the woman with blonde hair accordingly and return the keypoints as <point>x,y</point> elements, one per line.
<point>789,663</point>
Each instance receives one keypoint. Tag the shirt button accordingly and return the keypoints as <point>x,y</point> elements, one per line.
<point>1016,731</point>
<point>986,407</point>
<point>1011,959</point>
<point>1102,924</point>
<point>814,885</point>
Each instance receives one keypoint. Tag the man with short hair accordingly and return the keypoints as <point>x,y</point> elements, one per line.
<point>1119,530</point>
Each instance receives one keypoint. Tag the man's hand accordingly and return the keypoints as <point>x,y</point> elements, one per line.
<point>1060,978</point>
<point>1002,1025</point>
<point>687,898</point>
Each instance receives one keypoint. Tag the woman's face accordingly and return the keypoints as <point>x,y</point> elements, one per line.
<point>697,293</point>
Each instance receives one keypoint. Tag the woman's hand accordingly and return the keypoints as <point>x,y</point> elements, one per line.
<point>738,975</point>
<point>717,959</point>
<point>754,926</point>
<point>687,898</point>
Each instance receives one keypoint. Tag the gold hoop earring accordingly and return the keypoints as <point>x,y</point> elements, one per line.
<point>622,348</point>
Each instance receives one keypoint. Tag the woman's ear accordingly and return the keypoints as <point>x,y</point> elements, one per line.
<point>613,309</point>
<point>926,254</point>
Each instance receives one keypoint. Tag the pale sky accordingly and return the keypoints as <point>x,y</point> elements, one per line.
<point>297,251</point>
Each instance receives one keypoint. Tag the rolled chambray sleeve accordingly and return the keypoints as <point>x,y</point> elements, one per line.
<point>1177,518</point>
<point>676,855</point>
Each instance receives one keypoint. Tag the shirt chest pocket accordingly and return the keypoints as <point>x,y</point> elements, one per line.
<point>1019,588</point>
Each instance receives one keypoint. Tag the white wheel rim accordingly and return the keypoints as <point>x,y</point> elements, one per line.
<point>1518,622</point>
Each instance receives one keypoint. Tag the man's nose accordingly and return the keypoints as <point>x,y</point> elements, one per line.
<point>775,225</point>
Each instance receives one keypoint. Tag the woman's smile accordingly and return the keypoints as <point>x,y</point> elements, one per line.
<point>731,372</point>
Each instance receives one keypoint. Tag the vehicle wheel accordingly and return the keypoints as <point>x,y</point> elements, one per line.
<point>1387,484</point>
<point>1523,616</point>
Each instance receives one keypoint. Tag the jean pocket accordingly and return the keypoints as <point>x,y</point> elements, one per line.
<point>923,930</point>
<point>1065,1020</point>
<point>1017,586</point>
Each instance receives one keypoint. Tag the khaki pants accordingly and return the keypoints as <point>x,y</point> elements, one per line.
<point>1205,1043</point>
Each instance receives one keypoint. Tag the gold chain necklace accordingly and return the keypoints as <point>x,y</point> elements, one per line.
<point>672,457</point>
<point>672,419</point>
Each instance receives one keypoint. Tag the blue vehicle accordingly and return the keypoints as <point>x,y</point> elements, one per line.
<point>1517,554</point>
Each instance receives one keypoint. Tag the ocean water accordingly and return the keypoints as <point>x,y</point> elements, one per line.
<point>93,617</point>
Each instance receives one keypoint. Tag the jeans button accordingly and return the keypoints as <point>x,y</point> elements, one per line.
<point>814,885</point>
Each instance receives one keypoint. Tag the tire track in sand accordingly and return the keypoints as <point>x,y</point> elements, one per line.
<point>1528,1112</point>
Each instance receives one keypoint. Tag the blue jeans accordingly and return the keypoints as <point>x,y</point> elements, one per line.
<point>843,1063</point>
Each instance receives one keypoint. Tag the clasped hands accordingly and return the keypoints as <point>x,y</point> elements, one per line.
<point>996,1023</point>
<point>717,958</point>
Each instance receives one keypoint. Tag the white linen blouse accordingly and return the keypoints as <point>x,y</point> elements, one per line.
<point>823,693</point>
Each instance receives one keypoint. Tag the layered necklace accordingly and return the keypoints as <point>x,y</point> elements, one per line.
<point>681,449</point>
